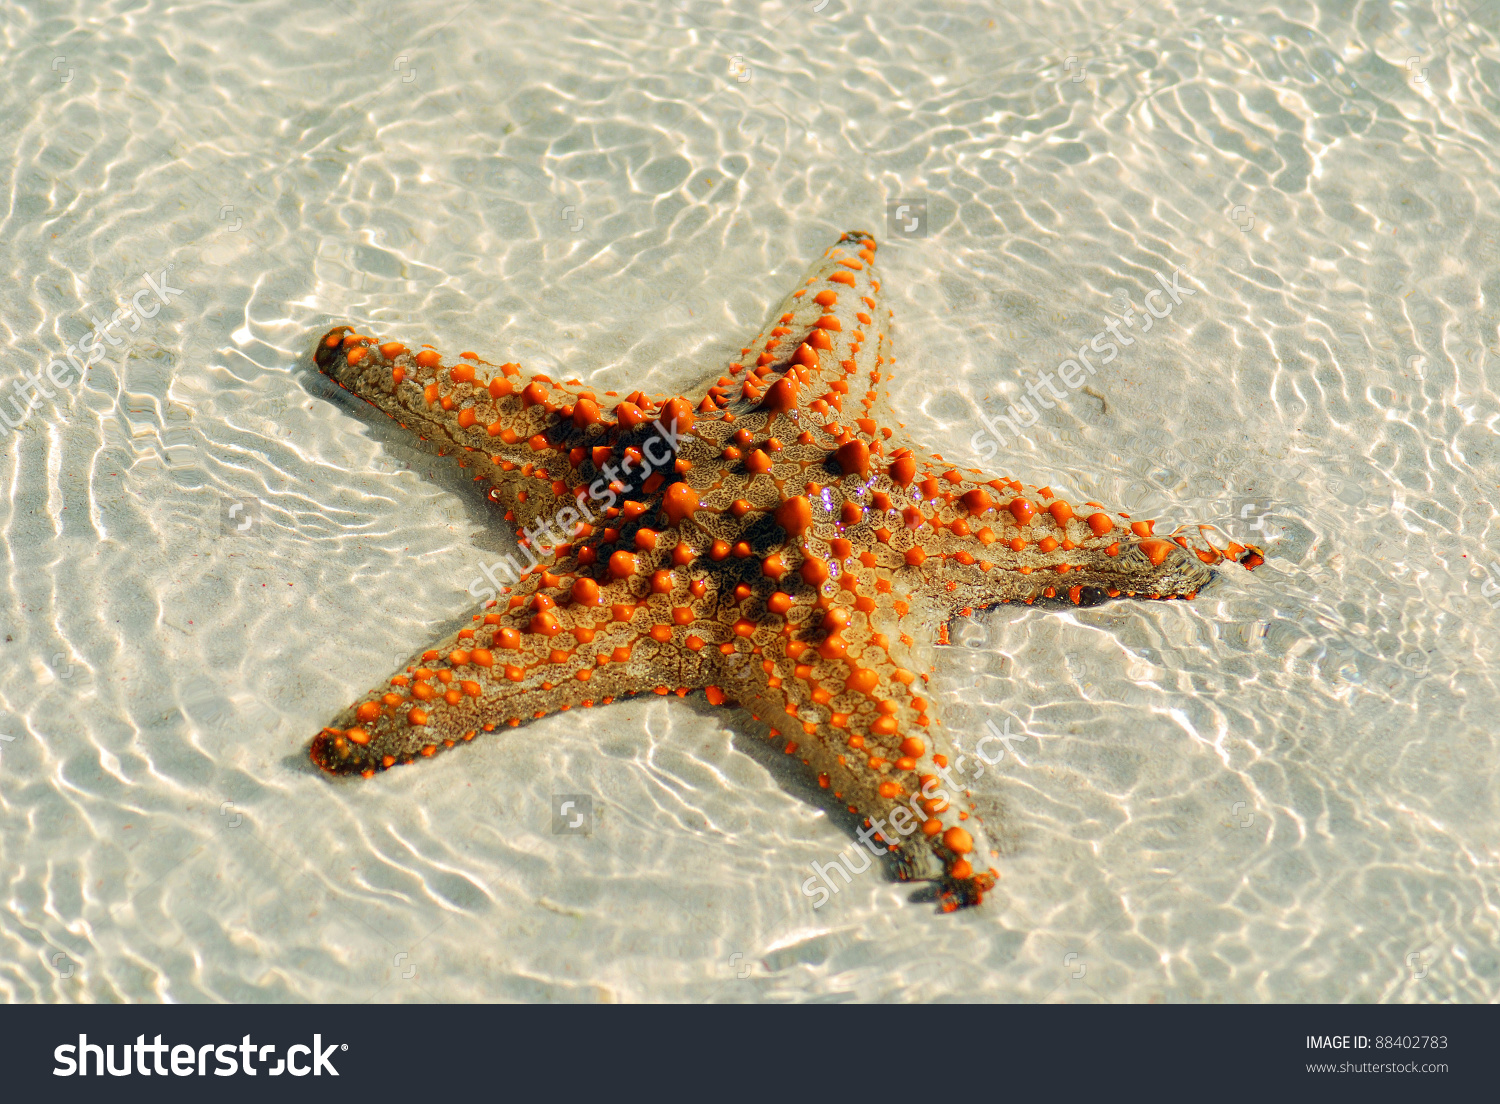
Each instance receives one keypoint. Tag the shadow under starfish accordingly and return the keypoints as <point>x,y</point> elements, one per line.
<point>769,538</point>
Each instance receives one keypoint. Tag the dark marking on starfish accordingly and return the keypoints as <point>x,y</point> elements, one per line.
<point>768,538</point>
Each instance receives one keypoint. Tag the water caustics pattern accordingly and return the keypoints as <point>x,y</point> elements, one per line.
<point>1285,789</point>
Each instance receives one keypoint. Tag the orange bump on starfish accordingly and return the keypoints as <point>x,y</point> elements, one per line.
<point>780,545</point>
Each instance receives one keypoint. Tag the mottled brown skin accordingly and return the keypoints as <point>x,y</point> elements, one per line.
<point>796,554</point>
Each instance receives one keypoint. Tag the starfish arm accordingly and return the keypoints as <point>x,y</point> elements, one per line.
<point>524,658</point>
<point>825,340</point>
<point>986,541</point>
<point>850,702</point>
<point>539,444</point>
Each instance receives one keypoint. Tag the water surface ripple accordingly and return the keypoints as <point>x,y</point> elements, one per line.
<point>1285,790</point>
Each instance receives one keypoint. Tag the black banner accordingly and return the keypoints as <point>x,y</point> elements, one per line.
<point>266,1052</point>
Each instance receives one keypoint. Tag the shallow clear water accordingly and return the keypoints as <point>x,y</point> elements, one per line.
<point>1284,790</point>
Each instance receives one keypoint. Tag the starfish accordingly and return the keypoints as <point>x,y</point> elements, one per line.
<point>768,538</point>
